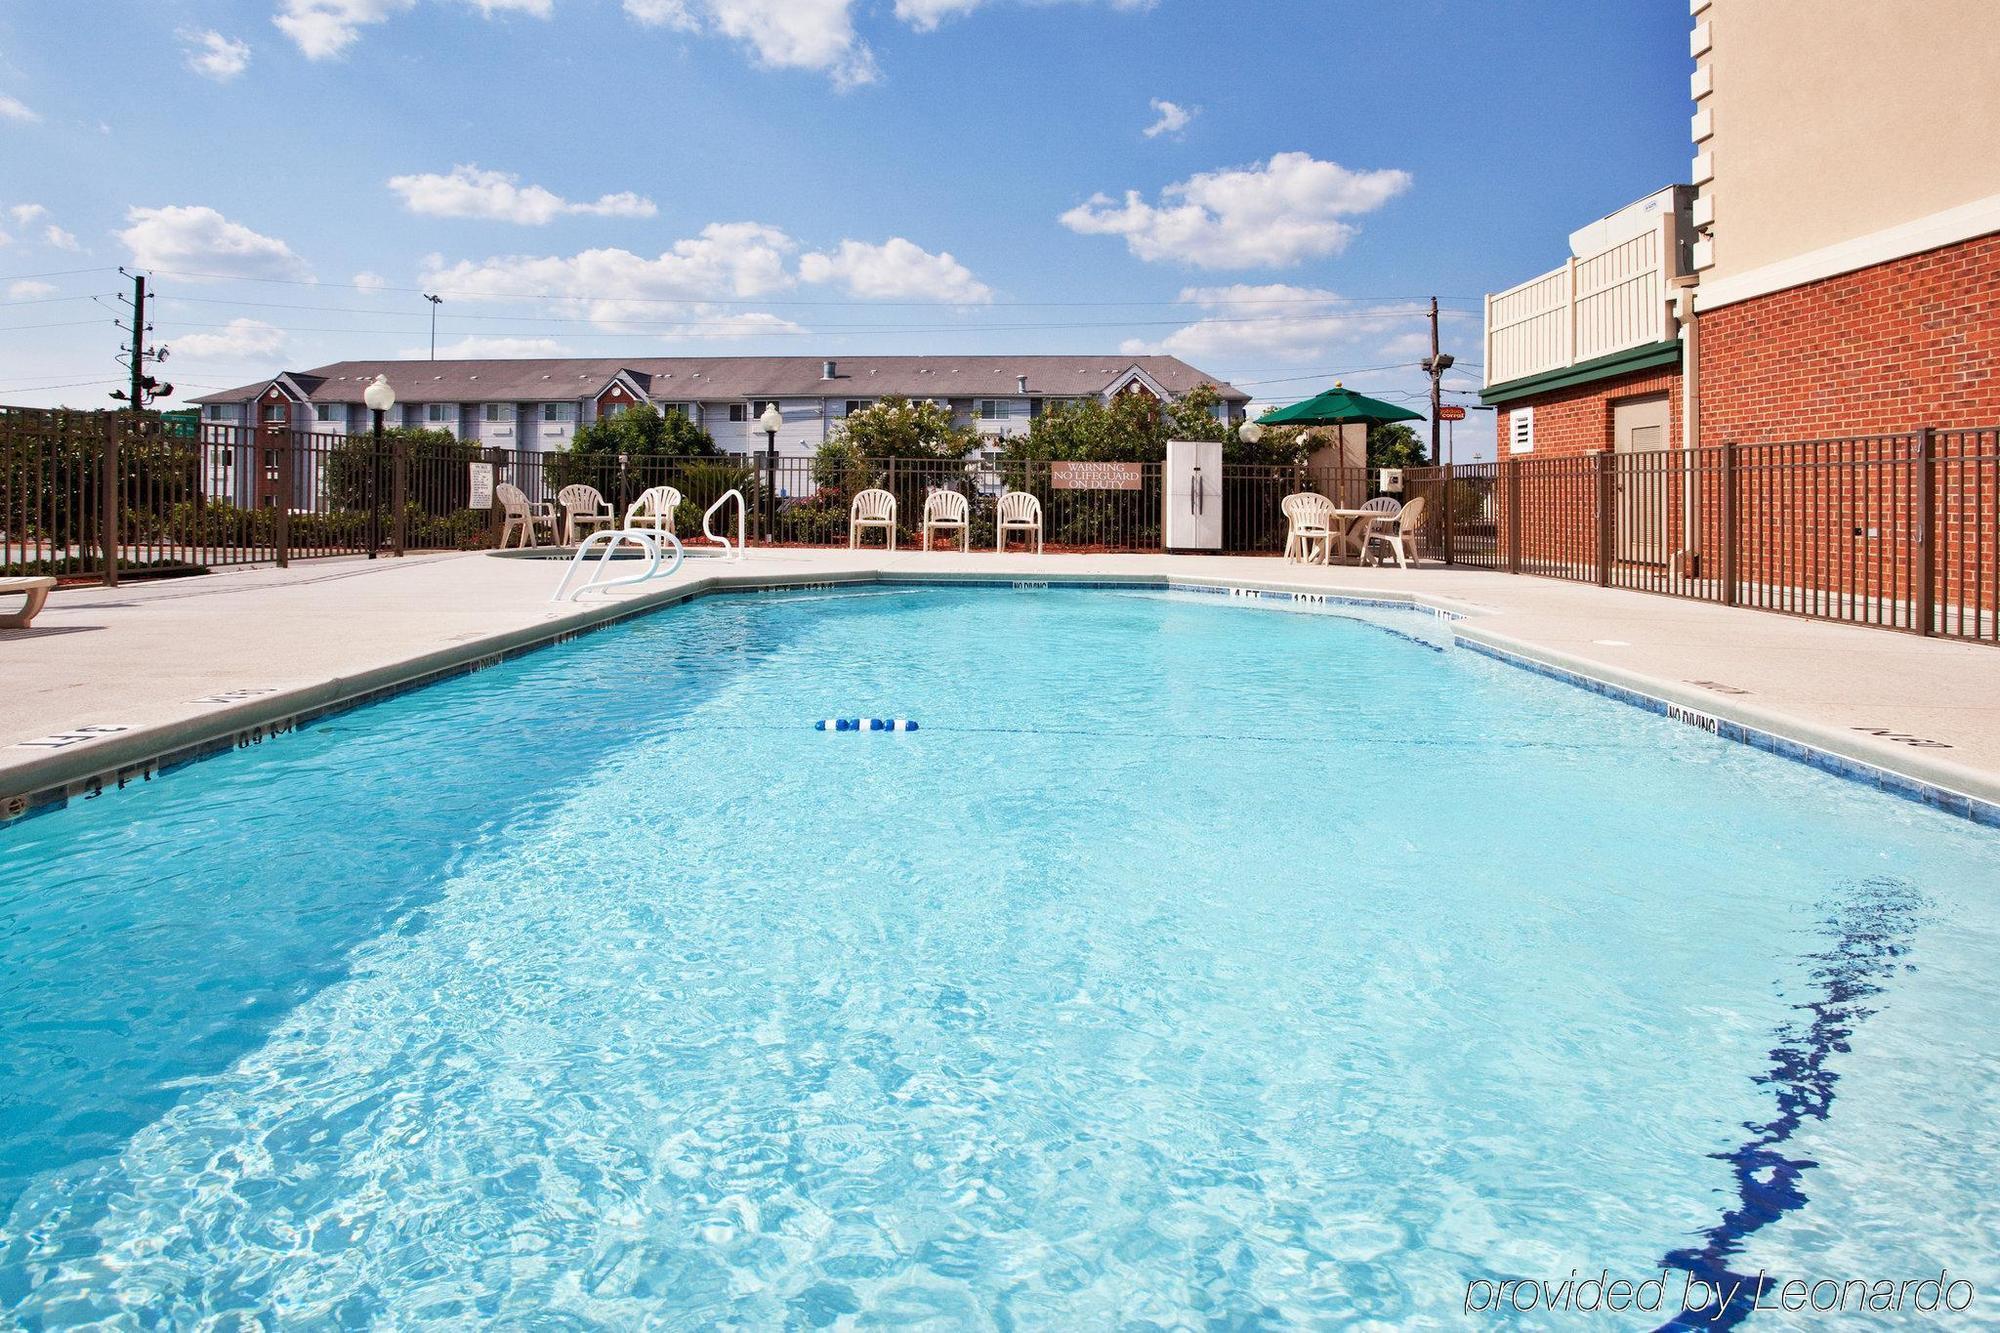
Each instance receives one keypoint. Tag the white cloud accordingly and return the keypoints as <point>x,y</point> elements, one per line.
<point>1270,215</point>
<point>1172,118</point>
<point>617,288</point>
<point>241,339</point>
<point>13,108</point>
<point>26,214</point>
<point>59,238</point>
<point>468,192</point>
<point>924,15</point>
<point>476,348</point>
<point>28,290</point>
<point>194,240</point>
<point>895,270</point>
<point>1278,324</point>
<point>324,29</point>
<point>370,282</point>
<point>814,35</point>
<point>214,56</point>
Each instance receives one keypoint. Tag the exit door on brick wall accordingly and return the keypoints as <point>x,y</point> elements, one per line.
<point>1639,427</point>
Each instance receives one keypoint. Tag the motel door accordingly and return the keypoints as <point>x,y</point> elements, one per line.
<point>1639,427</point>
<point>274,452</point>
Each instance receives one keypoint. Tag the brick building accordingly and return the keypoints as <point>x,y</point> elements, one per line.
<point>1832,270</point>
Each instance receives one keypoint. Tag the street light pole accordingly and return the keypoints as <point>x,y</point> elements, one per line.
<point>771,421</point>
<point>435,301</point>
<point>379,398</point>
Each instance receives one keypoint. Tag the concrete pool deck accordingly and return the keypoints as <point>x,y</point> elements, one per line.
<point>110,680</point>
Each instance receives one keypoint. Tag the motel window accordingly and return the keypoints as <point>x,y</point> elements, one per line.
<point>274,412</point>
<point>757,406</point>
<point>992,409</point>
<point>1521,431</point>
<point>858,405</point>
<point>226,457</point>
<point>558,411</point>
<point>270,458</point>
<point>434,411</point>
<point>613,409</point>
<point>270,502</point>
<point>497,412</point>
<point>677,409</point>
<point>738,412</point>
<point>322,411</point>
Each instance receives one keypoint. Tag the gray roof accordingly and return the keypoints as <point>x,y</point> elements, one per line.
<point>725,378</point>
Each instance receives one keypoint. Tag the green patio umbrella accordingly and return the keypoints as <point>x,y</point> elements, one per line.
<point>1339,406</point>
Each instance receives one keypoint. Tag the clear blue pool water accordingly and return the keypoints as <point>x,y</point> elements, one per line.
<point>1195,964</point>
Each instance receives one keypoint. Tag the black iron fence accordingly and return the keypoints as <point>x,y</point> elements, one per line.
<point>1897,531</point>
<point>1900,531</point>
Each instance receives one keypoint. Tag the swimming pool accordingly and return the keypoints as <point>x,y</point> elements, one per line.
<point>1194,963</point>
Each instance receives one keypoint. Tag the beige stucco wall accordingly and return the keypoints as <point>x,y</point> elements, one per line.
<point>1836,119</point>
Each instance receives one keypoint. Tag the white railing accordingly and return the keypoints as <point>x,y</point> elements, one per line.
<point>729,552</point>
<point>1590,307</point>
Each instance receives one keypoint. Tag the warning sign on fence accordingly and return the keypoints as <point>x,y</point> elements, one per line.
<point>1095,476</point>
<point>482,486</point>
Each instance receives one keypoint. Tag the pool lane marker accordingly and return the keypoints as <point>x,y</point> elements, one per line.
<point>1866,938</point>
<point>865,724</point>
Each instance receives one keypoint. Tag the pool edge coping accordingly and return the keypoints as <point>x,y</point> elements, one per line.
<point>50,782</point>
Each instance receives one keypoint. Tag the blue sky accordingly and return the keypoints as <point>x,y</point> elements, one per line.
<point>610,177</point>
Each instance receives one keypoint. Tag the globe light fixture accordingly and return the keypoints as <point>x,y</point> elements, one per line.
<point>1250,432</point>
<point>378,395</point>
<point>772,421</point>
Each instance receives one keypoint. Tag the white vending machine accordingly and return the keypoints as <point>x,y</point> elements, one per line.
<point>1194,495</point>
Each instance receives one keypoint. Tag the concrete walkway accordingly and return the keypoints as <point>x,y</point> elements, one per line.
<point>191,662</point>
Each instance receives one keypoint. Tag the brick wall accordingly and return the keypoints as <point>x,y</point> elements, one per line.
<point>1912,342</point>
<point>1577,420</point>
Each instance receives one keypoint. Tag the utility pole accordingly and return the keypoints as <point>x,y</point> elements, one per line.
<point>142,391</point>
<point>435,301</point>
<point>1435,366</point>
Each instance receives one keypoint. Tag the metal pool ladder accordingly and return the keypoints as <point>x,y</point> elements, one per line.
<point>609,539</point>
<point>729,552</point>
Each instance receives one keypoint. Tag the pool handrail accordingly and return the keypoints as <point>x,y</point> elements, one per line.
<point>742,509</point>
<point>646,540</point>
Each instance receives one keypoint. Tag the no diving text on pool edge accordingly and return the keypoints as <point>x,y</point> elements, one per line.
<point>1699,1296</point>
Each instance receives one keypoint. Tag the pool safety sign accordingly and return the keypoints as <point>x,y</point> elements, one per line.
<point>1096,476</point>
<point>482,486</point>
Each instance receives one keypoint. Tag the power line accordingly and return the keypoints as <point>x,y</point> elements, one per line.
<point>1472,303</point>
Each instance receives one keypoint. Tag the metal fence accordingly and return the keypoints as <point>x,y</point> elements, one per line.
<point>1900,531</point>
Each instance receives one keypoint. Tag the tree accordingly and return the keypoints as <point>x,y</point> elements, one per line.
<point>642,432</point>
<point>1395,445</point>
<point>899,428</point>
<point>435,469</point>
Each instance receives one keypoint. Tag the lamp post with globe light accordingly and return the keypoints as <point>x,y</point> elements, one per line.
<point>379,398</point>
<point>771,422</point>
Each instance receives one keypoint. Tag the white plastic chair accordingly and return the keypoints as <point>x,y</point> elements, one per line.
<point>654,510</point>
<point>944,511</point>
<point>1401,537</point>
<point>1309,527</point>
<point>1018,511</point>
<point>584,510</point>
<point>521,516</point>
<point>1382,511</point>
<point>871,509</point>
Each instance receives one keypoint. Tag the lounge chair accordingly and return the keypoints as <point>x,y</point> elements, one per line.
<point>1018,511</point>
<point>584,510</point>
<point>945,511</point>
<point>35,590</point>
<point>522,517</point>
<point>654,510</point>
<point>871,509</point>
<point>1401,536</point>
<point>1309,523</point>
